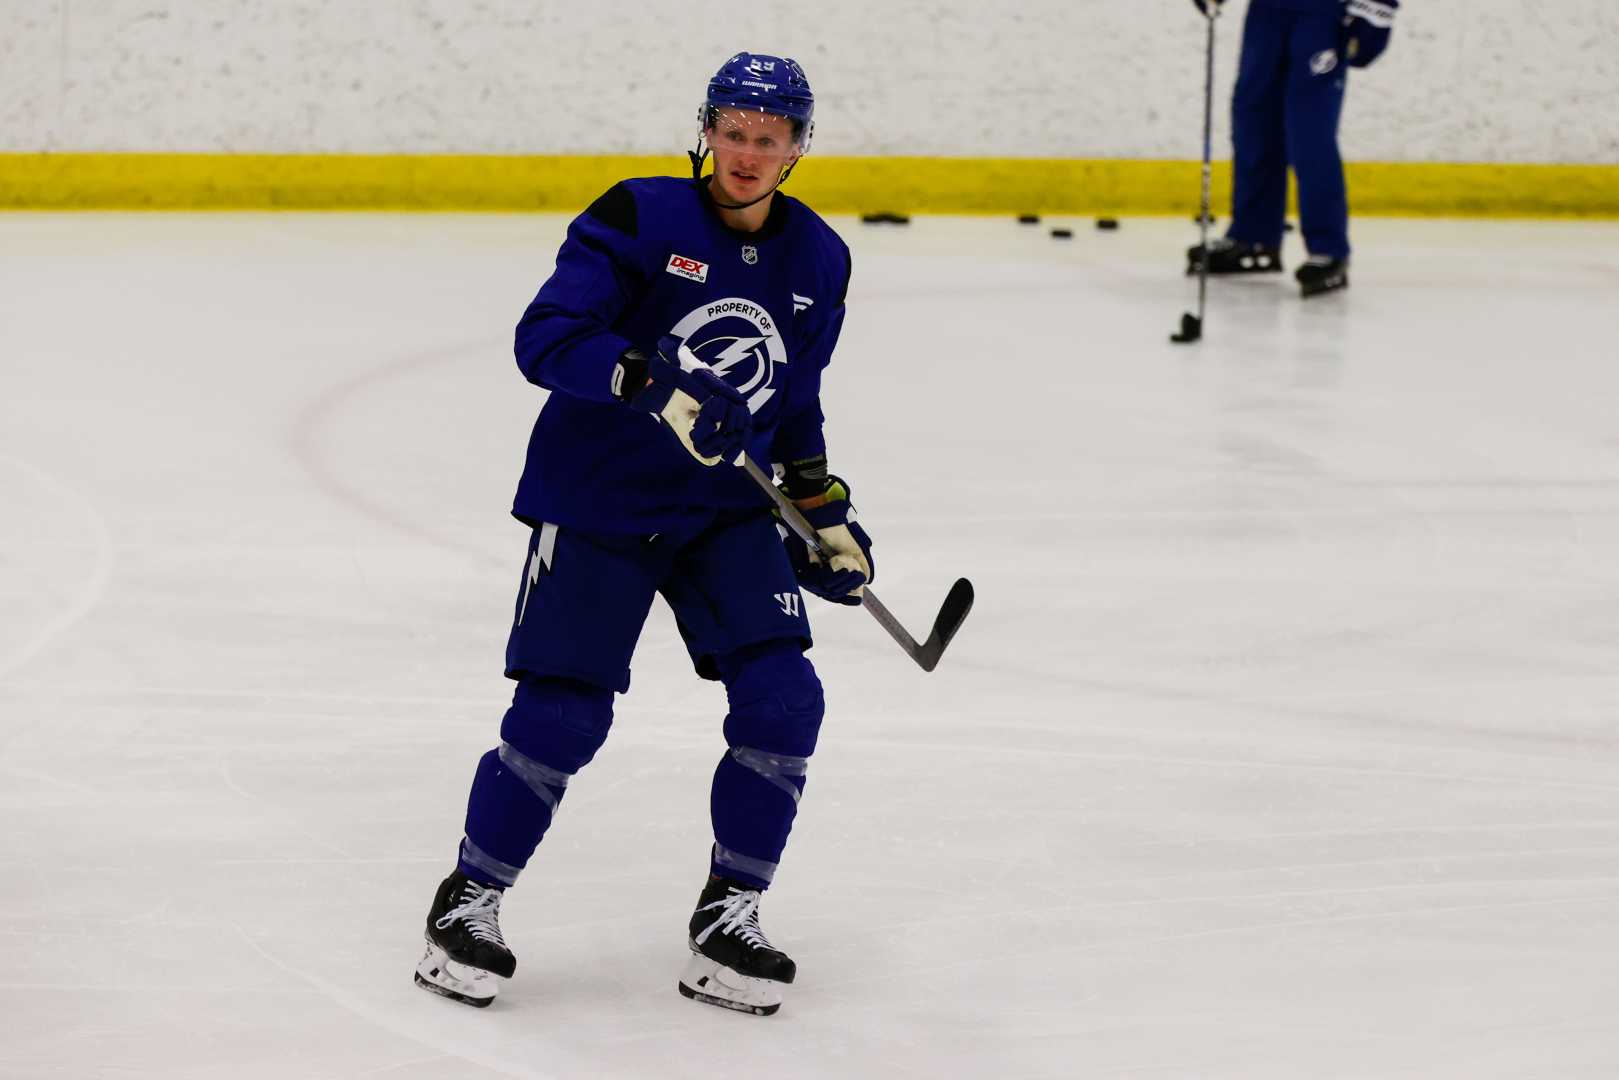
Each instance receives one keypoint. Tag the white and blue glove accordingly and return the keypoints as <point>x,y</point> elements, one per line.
<point>842,577</point>
<point>708,415</point>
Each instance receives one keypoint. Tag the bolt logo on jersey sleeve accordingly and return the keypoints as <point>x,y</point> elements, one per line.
<point>738,339</point>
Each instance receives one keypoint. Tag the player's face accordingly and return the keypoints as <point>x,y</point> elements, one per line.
<point>750,151</point>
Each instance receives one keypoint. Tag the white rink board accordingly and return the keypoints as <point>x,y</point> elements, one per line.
<point>1464,80</point>
<point>1280,743</point>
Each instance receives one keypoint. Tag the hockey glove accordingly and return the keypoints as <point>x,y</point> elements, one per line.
<point>707,414</point>
<point>843,579</point>
<point>1367,26</point>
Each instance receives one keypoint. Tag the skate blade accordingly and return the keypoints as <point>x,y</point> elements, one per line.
<point>1330,285</point>
<point>715,984</point>
<point>448,978</point>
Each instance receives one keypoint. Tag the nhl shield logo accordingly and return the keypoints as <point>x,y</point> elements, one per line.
<point>750,254</point>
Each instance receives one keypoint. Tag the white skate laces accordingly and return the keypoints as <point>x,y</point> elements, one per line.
<point>739,915</point>
<point>480,911</point>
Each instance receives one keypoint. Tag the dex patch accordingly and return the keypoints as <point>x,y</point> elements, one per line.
<point>681,266</point>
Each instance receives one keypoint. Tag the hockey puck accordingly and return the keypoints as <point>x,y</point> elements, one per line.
<point>1107,224</point>
<point>1028,219</point>
<point>886,217</point>
<point>1287,226</point>
<point>1062,234</point>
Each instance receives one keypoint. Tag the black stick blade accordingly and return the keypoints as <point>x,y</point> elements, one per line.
<point>1191,330</point>
<point>957,603</point>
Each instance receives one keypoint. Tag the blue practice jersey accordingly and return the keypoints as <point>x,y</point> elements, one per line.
<point>652,257</point>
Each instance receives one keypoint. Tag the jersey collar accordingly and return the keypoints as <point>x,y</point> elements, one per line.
<point>774,223</point>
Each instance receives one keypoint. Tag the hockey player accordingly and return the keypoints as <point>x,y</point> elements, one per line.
<point>687,321</point>
<point>1285,111</point>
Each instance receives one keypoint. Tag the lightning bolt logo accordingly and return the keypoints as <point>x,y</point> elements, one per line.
<point>538,562</point>
<point>738,350</point>
<point>727,354</point>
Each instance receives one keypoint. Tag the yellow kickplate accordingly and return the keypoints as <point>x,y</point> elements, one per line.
<point>830,184</point>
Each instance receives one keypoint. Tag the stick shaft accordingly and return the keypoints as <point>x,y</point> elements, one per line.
<point>1208,162</point>
<point>789,513</point>
<point>806,532</point>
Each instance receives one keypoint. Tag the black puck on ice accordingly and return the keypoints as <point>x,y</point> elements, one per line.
<point>1062,234</point>
<point>886,218</point>
<point>1028,219</point>
<point>1287,226</point>
<point>1107,224</point>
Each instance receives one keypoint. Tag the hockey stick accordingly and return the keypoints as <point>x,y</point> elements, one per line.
<point>1192,325</point>
<point>957,602</point>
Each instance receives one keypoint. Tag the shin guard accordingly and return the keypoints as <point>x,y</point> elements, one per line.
<point>553,728</point>
<point>775,714</point>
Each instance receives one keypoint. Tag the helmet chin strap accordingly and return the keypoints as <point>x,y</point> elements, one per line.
<point>697,174</point>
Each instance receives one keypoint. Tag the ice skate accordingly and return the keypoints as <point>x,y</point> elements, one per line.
<point>1321,274</point>
<point>1227,256</point>
<point>733,965</point>
<point>465,952</point>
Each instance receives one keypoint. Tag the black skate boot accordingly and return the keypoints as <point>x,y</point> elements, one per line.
<point>464,947</point>
<point>1227,256</point>
<point>1322,273</point>
<point>733,965</point>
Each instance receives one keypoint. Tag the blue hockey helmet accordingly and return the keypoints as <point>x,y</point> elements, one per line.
<point>761,83</point>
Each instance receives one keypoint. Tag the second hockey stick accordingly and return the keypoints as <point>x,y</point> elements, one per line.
<point>957,602</point>
<point>1192,325</point>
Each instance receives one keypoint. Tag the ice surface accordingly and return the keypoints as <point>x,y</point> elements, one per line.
<point>1281,742</point>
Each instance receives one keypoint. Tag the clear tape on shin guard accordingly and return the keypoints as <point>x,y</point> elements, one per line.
<point>745,864</point>
<point>539,777</point>
<point>775,768</point>
<point>487,865</point>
